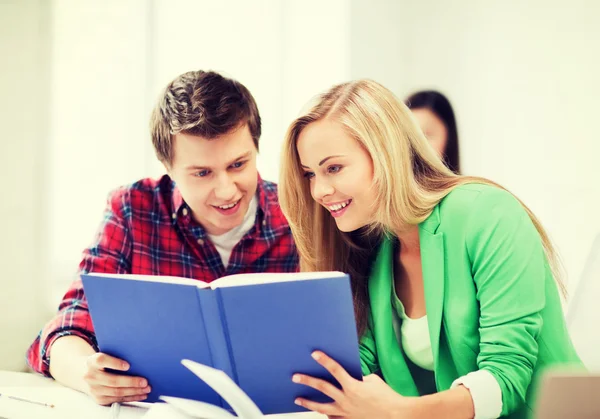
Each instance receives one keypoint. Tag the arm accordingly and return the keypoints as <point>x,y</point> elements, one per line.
<point>66,348</point>
<point>109,252</point>
<point>455,403</point>
<point>509,268</point>
<point>372,397</point>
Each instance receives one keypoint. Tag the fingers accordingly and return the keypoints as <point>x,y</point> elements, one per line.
<point>321,385</point>
<point>106,395</point>
<point>328,409</point>
<point>107,387</point>
<point>119,392</point>
<point>338,372</point>
<point>95,377</point>
<point>101,361</point>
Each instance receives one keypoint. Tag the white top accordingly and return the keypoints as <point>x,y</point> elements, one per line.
<point>225,243</point>
<point>413,336</point>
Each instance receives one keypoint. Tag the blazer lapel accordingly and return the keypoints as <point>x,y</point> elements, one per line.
<point>393,365</point>
<point>432,263</point>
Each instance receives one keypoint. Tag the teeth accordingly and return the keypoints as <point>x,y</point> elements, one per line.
<point>338,207</point>
<point>228,206</point>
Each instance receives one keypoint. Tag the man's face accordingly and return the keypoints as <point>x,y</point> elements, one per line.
<point>217,178</point>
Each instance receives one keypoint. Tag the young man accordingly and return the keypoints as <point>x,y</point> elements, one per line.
<point>211,216</point>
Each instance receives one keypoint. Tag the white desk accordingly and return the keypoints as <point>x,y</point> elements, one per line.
<point>21,379</point>
<point>68,403</point>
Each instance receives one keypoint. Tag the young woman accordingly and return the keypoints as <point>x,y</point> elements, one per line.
<point>455,282</point>
<point>436,119</point>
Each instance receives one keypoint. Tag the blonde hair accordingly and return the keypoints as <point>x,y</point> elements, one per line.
<point>409,180</point>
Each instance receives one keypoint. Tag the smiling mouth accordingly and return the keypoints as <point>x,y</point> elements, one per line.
<point>338,207</point>
<point>228,206</point>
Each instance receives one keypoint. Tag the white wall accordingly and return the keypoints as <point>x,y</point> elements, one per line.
<point>24,121</point>
<point>523,78</point>
<point>99,120</point>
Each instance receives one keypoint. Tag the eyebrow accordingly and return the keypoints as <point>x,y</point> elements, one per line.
<point>243,156</point>
<point>322,161</point>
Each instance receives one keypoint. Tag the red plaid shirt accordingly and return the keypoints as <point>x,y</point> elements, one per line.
<point>147,229</point>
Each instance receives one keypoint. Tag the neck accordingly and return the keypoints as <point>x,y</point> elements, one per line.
<point>409,240</point>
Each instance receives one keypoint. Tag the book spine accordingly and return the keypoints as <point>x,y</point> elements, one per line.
<point>216,331</point>
<point>222,313</point>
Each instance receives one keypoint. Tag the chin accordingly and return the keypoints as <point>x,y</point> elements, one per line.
<point>347,227</point>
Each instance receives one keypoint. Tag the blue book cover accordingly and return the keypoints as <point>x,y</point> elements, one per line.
<point>259,329</point>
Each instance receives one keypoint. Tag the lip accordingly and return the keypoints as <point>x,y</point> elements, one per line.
<point>229,211</point>
<point>339,213</point>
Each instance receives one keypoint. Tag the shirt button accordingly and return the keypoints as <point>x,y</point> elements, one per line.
<point>200,242</point>
<point>185,212</point>
<point>174,215</point>
<point>264,222</point>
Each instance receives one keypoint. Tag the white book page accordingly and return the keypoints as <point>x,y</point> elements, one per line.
<point>165,411</point>
<point>270,277</point>
<point>154,278</point>
<point>239,401</point>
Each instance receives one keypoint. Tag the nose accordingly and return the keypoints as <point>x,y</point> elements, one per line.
<point>225,189</point>
<point>321,189</point>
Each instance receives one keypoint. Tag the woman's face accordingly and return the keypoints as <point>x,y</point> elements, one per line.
<point>340,173</point>
<point>433,128</point>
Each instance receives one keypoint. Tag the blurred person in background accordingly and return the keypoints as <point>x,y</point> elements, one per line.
<point>436,119</point>
<point>211,215</point>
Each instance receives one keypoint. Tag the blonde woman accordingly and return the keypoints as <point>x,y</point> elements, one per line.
<point>455,282</point>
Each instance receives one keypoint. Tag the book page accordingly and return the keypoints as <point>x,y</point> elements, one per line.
<point>271,277</point>
<point>154,278</point>
<point>239,401</point>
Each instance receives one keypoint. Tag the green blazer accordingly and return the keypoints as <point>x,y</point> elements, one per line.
<point>491,300</point>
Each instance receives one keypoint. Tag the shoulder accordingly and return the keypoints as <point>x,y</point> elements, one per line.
<point>474,206</point>
<point>143,195</point>
<point>473,199</point>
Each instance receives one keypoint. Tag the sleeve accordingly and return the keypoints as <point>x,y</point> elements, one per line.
<point>485,392</point>
<point>368,354</point>
<point>509,266</point>
<point>110,252</point>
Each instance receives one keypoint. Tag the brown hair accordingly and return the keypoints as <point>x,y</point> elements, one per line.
<point>202,103</point>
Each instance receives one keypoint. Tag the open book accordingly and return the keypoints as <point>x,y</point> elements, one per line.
<point>259,329</point>
<point>241,404</point>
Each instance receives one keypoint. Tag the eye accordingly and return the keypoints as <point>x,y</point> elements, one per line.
<point>334,168</point>
<point>202,173</point>
<point>309,175</point>
<point>237,164</point>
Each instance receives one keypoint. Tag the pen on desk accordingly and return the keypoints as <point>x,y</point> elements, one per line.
<point>26,400</point>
